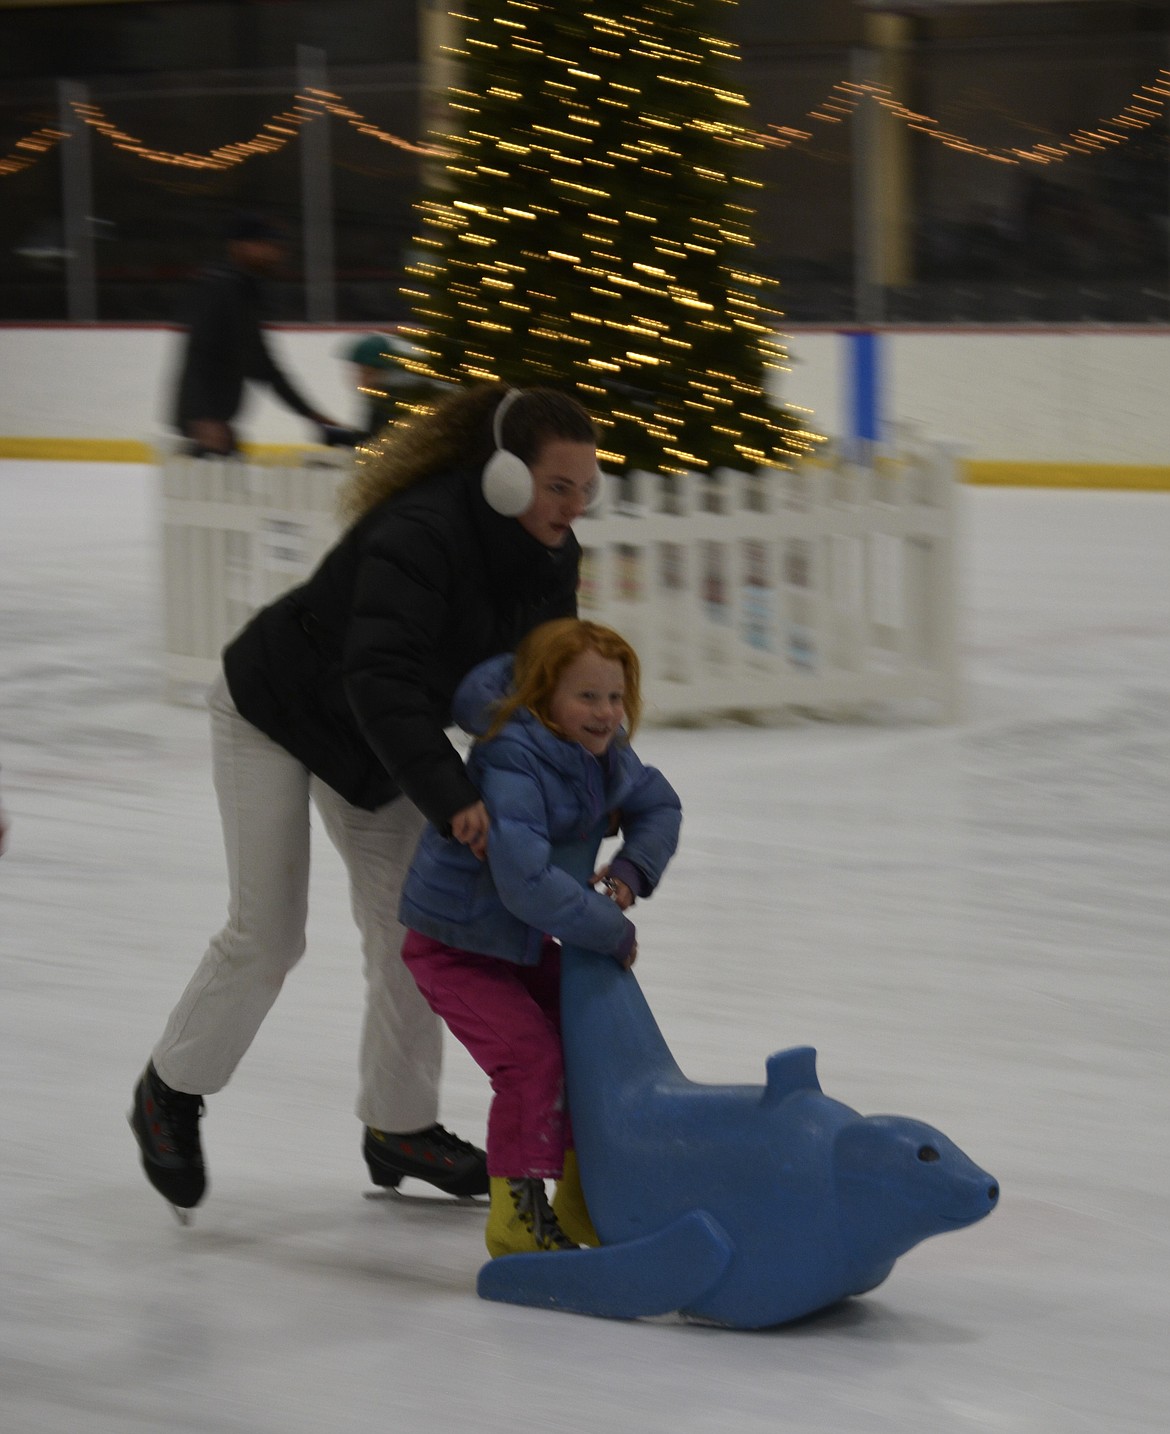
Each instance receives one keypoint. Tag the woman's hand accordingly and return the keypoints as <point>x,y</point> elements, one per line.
<point>631,958</point>
<point>613,887</point>
<point>213,435</point>
<point>470,826</point>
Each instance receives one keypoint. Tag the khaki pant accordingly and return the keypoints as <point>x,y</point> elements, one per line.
<point>264,798</point>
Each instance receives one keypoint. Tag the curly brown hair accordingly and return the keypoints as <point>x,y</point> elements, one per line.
<point>457,431</point>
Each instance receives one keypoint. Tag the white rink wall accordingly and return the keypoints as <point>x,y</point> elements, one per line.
<point>1060,396</point>
<point>1005,396</point>
<point>115,382</point>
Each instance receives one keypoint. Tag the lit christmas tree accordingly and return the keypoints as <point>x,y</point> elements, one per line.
<point>589,231</point>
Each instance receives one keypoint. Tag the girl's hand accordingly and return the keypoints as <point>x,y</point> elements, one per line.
<point>613,887</point>
<point>470,826</point>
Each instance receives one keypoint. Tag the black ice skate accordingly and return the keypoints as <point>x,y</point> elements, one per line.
<point>165,1123</point>
<point>435,1155</point>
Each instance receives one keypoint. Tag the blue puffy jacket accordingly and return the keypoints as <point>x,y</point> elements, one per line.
<point>542,793</point>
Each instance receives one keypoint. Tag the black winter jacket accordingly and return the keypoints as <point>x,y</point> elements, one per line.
<point>226,345</point>
<point>353,672</point>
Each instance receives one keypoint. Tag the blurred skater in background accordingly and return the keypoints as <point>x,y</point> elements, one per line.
<point>225,344</point>
<point>340,692</point>
<point>385,382</point>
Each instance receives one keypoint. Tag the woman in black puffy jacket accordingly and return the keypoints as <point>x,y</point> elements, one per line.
<point>460,542</point>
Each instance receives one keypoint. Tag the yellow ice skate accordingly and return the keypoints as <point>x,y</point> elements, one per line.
<point>569,1205</point>
<point>520,1220</point>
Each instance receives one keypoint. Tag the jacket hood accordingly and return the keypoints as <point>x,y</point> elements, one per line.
<point>478,693</point>
<point>473,708</point>
<point>569,758</point>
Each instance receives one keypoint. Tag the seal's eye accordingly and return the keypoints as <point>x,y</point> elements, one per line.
<point>927,1153</point>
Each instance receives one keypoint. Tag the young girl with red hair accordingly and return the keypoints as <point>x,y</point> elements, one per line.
<point>555,769</point>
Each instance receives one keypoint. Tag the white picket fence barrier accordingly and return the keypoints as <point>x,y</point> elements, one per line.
<point>235,535</point>
<point>827,588</point>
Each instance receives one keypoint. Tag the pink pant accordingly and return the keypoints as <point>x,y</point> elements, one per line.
<point>508,1017</point>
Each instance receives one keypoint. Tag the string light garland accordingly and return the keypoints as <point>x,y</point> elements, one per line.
<point>1147,105</point>
<point>273,135</point>
<point>27,151</point>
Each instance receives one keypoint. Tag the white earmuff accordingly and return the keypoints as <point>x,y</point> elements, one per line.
<point>507,480</point>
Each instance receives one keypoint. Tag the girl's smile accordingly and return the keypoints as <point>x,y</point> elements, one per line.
<point>588,704</point>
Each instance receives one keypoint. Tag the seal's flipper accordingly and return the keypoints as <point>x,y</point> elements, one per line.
<point>655,1275</point>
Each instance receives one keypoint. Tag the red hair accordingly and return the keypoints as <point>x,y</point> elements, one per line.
<point>547,651</point>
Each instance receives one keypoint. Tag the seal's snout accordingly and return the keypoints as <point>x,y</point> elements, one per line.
<point>993,1194</point>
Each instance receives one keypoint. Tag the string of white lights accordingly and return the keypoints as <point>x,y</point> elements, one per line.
<point>1146,105</point>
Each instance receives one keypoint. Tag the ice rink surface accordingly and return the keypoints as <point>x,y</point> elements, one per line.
<point>970,923</point>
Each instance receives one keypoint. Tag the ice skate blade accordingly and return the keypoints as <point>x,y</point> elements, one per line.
<point>426,1195</point>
